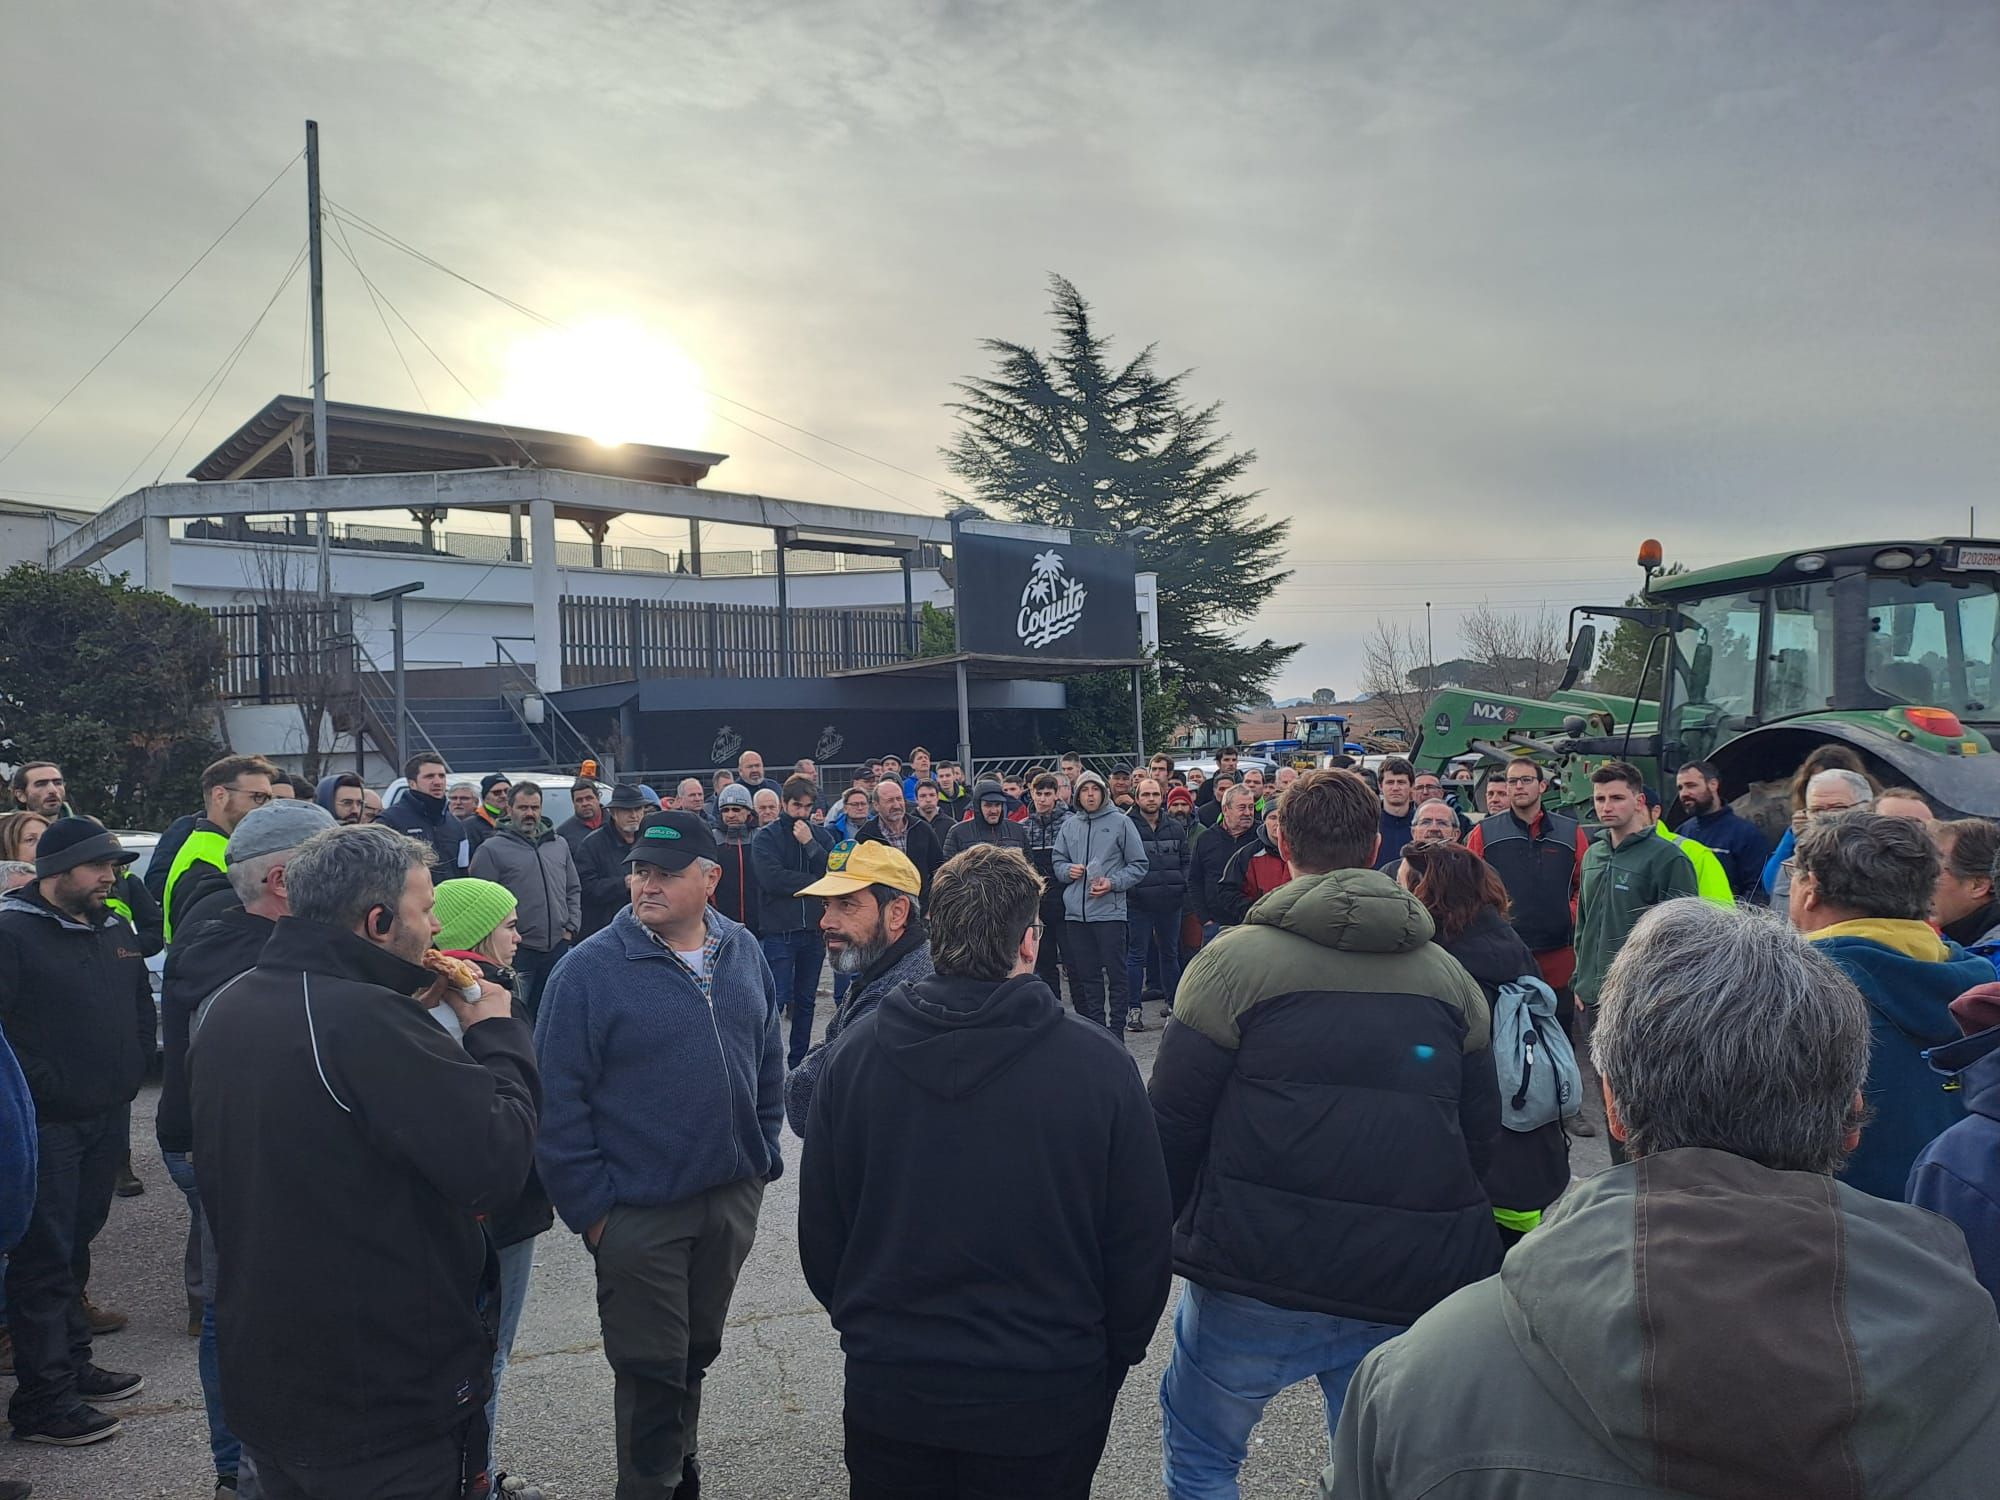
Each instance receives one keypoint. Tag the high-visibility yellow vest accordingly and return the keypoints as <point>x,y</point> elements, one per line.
<point>123,910</point>
<point>1710,879</point>
<point>203,847</point>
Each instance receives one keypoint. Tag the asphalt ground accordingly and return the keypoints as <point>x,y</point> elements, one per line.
<point>770,1415</point>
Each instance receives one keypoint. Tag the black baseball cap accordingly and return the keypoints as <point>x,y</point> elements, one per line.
<point>672,840</point>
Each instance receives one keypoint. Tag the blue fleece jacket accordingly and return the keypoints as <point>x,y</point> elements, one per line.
<point>1958,1174</point>
<point>1909,1010</point>
<point>18,1147</point>
<point>652,1091</point>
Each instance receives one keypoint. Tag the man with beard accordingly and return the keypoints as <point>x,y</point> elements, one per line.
<point>893,825</point>
<point>77,1008</point>
<point>588,817</point>
<point>1731,837</point>
<point>532,861</point>
<point>988,823</point>
<point>984,1212</point>
<point>874,934</point>
<point>318,1066</point>
<point>1098,857</point>
<point>342,795</point>
<point>600,863</point>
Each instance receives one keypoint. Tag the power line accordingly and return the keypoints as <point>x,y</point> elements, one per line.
<point>212,384</point>
<point>118,343</point>
<point>342,244</point>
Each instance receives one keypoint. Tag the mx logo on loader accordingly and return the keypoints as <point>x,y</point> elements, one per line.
<point>1479,711</point>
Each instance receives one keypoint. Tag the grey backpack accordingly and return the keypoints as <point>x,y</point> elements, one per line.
<point>1539,1082</point>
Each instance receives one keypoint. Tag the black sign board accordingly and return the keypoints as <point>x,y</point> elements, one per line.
<point>1067,601</point>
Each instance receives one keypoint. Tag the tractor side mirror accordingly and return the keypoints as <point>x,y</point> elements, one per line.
<point>1582,652</point>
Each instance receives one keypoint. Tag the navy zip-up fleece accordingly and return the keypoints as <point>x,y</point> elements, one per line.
<point>653,1091</point>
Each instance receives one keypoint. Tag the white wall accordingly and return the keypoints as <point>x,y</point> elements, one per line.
<point>465,603</point>
<point>27,536</point>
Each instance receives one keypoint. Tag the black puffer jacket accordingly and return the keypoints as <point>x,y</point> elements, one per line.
<point>1327,1103</point>
<point>1529,1168</point>
<point>1206,867</point>
<point>208,952</point>
<point>600,869</point>
<point>429,819</point>
<point>1165,885</point>
<point>76,1006</point>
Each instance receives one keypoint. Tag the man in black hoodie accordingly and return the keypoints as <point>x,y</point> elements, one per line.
<point>75,1004</point>
<point>988,1309</point>
<point>988,824</point>
<point>357,1320</point>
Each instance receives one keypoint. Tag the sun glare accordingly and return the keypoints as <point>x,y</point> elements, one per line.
<point>610,379</point>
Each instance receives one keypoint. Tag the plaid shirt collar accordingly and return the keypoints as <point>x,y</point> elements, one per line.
<point>711,944</point>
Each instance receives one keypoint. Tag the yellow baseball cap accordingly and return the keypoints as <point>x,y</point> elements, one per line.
<point>852,867</point>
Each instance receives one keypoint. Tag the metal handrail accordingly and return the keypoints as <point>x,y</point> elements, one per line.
<point>352,642</point>
<point>552,716</point>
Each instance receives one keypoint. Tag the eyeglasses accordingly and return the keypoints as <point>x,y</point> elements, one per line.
<point>1522,780</point>
<point>257,799</point>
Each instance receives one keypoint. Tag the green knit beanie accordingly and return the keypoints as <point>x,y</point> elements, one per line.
<point>469,910</point>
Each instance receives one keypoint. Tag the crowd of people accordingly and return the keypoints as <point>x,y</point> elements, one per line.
<point>1393,998</point>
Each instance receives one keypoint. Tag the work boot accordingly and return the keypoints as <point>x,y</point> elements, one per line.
<point>1135,1019</point>
<point>1580,1126</point>
<point>128,1185</point>
<point>102,1320</point>
<point>194,1316</point>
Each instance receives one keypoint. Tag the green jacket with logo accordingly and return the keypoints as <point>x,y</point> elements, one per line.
<point>1619,885</point>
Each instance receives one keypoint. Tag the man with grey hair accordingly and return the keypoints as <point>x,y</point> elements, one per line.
<point>672,1001</point>
<point>355,1320</point>
<point>1861,889</point>
<point>1829,792</point>
<point>219,938</point>
<point>1846,1349</point>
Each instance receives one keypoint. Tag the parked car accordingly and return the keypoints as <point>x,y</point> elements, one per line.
<point>1206,764</point>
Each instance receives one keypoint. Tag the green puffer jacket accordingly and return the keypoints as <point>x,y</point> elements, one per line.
<point>1327,1105</point>
<point>1693,1324</point>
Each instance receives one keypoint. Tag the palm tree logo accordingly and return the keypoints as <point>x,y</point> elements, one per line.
<point>1051,603</point>
<point>1042,577</point>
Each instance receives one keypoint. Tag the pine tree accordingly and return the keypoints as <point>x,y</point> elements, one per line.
<point>1072,439</point>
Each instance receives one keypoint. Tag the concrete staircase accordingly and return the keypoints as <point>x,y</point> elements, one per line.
<point>475,734</point>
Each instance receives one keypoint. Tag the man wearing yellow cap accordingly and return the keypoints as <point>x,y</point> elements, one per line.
<point>874,934</point>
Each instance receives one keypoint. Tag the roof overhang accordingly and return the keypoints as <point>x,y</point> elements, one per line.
<point>987,667</point>
<point>574,495</point>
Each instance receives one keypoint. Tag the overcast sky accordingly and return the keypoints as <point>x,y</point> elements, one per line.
<point>1494,290</point>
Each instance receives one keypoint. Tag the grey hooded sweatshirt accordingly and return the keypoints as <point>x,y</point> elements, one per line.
<point>1693,1324</point>
<point>1105,843</point>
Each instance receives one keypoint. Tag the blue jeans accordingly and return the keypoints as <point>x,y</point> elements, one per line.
<point>517,1265</point>
<point>795,959</point>
<point>1232,1354</point>
<point>1144,929</point>
<point>222,1444</point>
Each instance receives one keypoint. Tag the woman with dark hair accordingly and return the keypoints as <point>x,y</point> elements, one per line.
<point>1468,904</point>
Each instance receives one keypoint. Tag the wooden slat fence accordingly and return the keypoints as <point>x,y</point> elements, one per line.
<point>619,640</point>
<point>272,651</point>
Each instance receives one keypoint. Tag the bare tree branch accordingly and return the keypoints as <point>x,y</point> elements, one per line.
<point>1392,654</point>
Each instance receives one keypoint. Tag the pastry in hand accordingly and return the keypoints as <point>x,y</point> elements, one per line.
<point>455,971</point>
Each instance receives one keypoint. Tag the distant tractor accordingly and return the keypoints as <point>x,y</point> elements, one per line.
<point>1887,647</point>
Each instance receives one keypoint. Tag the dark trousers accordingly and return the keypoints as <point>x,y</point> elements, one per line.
<point>664,1279</point>
<point>1049,962</point>
<point>1593,1091</point>
<point>431,1470</point>
<point>795,959</point>
<point>47,1271</point>
<point>1153,930</point>
<point>1095,953</point>
<point>886,1468</point>
<point>534,965</point>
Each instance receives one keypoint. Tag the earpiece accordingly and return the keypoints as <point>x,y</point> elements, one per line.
<point>380,920</point>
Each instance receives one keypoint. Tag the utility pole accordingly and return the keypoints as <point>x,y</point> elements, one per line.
<point>1430,646</point>
<point>317,269</point>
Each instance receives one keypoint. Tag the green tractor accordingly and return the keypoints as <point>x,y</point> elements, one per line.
<point>1888,647</point>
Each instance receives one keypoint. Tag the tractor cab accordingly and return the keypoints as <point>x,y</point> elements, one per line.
<point>1889,647</point>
